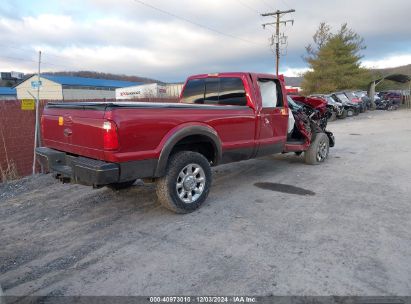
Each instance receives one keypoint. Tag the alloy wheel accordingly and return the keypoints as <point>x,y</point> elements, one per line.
<point>322,151</point>
<point>190,183</point>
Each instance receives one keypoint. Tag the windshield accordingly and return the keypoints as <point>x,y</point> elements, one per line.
<point>342,97</point>
<point>350,95</point>
<point>292,104</point>
<point>360,94</point>
<point>329,99</point>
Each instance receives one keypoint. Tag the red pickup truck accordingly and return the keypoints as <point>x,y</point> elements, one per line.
<point>220,118</point>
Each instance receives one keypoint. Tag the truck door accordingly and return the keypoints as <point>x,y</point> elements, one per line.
<point>273,118</point>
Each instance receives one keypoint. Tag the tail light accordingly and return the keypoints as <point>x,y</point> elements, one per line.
<point>110,135</point>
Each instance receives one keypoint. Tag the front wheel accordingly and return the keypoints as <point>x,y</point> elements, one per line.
<point>343,114</point>
<point>186,184</point>
<point>318,150</point>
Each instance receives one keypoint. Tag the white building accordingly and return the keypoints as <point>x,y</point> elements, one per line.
<point>54,87</point>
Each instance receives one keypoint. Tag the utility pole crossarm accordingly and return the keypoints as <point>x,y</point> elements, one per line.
<point>278,13</point>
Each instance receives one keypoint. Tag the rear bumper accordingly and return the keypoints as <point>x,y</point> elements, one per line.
<point>91,172</point>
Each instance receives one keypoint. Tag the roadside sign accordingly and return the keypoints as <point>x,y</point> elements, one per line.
<point>27,104</point>
<point>36,84</point>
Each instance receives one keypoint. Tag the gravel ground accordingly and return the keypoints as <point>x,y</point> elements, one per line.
<point>270,226</point>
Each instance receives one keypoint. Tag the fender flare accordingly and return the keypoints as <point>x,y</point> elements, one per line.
<point>179,135</point>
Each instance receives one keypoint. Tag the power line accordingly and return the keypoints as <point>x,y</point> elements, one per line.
<point>268,5</point>
<point>285,3</point>
<point>31,60</point>
<point>29,50</point>
<point>249,7</point>
<point>17,58</point>
<point>196,23</point>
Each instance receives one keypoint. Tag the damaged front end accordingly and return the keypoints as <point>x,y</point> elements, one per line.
<point>311,116</point>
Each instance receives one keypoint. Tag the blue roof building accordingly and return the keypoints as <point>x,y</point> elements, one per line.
<point>71,88</point>
<point>7,93</point>
<point>90,82</point>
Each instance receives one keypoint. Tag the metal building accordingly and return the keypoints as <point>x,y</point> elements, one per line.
<point>174,89</point>
<point>70,88</point>
<point>7,93</point>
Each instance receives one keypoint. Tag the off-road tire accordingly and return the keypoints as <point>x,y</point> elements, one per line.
<point>122,185</point>
<point>311,156</point>
<point>343,115</point>
<point>333,116</point>
<point>166,185</point>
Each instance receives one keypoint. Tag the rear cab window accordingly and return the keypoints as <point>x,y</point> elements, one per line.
<point>215,91</point>
<point>194,91</point>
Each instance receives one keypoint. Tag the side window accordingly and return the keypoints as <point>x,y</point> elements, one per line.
<point>194,91</point>
<point>270,93</point>
<point>232,92</point>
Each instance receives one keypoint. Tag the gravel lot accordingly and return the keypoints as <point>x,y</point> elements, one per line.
<point>345,229</point>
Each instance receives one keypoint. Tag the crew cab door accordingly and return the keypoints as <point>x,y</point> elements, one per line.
<point>273,118</point>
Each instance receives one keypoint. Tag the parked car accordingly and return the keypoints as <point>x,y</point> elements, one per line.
<point>335,106</point>
<point>388,101</point>
<point>351,108</point>
<point>356,100</point>
<point>221,118</point>
<point>377,96</point>
<point>364,97</point>
<point>341,109</point>
<point>395,98</point>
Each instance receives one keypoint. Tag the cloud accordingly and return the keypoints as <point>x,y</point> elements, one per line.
<point>294,72</point>
<point>124,36</point>
<point>388,62</point>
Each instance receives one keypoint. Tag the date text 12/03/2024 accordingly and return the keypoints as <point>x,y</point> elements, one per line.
<point>203,299</point>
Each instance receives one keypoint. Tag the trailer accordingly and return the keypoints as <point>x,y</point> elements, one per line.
<point>152,90</point>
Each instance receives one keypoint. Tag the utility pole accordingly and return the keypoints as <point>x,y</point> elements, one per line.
<point>36,127</point>
<point>276,37</point>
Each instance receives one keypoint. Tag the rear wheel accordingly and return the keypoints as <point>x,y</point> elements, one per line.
<point>343,114</point>
<point>318,150</point>
<point>187,183</point>
<point>333,116</point>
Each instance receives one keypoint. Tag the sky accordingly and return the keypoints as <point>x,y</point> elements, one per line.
<point>171,39</point>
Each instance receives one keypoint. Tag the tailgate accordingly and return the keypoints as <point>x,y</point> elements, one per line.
<point>76,128</point>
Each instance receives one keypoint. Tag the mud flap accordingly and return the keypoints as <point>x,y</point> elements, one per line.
<point>330,138</point>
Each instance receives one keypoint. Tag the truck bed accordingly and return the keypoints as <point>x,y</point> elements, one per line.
<point>142,127</point>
